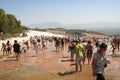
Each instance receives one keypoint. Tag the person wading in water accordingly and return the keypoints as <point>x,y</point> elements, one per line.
<point>99,62</point>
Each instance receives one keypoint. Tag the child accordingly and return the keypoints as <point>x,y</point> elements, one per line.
<point>4,49</point>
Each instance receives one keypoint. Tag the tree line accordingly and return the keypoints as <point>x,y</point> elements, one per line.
<point>9,24</point>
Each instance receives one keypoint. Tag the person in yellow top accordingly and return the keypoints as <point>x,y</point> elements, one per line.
<point>79,55</point>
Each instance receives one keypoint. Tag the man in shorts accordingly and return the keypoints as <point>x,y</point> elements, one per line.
<point>16,47</point>
<point>79,55</point>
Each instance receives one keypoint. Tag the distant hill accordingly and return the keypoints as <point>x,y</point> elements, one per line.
<point>103,27</point>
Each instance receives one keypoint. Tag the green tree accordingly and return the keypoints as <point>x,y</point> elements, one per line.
<point>3,21</point>
<point>9,24</point>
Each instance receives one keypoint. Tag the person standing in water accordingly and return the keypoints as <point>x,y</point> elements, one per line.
<point>36,47</point>
<point>71,49</point>
<point>99,62</point>
<point>16,47</point>
<point>79,55</point>
<point>84,43</point>
<point>89,51</point>
<point>9,46</point>
<point>4,49</point>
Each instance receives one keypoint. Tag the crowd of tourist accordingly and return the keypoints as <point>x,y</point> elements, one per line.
<point>81,50</point>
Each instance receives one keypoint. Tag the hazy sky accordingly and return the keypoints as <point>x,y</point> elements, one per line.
<point>63,11</point>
